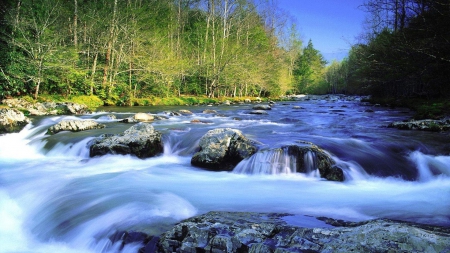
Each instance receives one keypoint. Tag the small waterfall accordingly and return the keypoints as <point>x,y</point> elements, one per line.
<point>180,143</point>
<point>268,162</point>
<point>279,161</point>
<point>429,167</point>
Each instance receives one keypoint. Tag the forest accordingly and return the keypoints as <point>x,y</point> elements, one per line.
<point>123,51</point>
<point>127,52</point>
<point>404,52</point>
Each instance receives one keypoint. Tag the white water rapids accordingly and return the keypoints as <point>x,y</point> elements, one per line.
<point>54,198</point>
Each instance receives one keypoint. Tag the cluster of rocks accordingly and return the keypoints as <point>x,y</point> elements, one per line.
<point>13,119</point>
<point>46,108</point>
<point>283,233</point>
<point>425,125</point>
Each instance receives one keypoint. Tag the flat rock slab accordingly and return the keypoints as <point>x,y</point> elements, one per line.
<point>259,232</point>
<point>74,126</point>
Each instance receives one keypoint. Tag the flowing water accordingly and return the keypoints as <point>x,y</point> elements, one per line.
<point>54,198</point>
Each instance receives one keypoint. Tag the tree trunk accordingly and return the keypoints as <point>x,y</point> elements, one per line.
<point>75,24</point>
<point>94,67</point>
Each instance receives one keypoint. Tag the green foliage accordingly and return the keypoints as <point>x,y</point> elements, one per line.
<point>92,102</point>
<point>125,52</point>
<point>309,71</point>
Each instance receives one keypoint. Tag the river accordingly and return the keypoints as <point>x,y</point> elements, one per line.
<point>54,198</point>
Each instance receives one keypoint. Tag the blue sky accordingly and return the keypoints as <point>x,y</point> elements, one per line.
<point>332,25</point>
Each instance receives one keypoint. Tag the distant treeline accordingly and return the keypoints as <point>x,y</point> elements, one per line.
<point>122,50</point>
<point>405,52</point>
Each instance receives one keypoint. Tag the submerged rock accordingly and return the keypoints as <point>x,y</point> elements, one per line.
<point>223,148</point>
<point>275,232</point>
<point>425,125</point>
<point>12,120</point>
<point>140,140</point>
<point>74,126</point>
<point>258,112</point>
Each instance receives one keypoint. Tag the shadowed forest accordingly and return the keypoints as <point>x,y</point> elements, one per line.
<point>127,52</point>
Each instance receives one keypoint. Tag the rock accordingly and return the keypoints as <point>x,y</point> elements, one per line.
<point>270,232</point>
<point>320,160</point>
<point>140,140</point>
<point>247,101</point>
<point>425,125</point>
<point>47,108</point>
<point>74,126</point>
<point>185,112</point>
<point>297,107</point>
<point>221,149</point>
<point>208,111</point>
<point>227,102</point>
<point>12,120</point>
<point>143,117</point>
<point>198,121</point>
<point>258,112</point>
<point>262,107</point>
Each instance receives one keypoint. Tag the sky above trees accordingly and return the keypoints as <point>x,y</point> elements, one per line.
<point>333,26</point>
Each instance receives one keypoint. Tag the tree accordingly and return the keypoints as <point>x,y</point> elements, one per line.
<point>309,70</point>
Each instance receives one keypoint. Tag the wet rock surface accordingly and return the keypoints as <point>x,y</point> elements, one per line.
<point>140,140</point>
<point>74,126</point>
<point>12,120</point>
<point>221,149</point>
<point>424,125</point>
<point>277,232</point>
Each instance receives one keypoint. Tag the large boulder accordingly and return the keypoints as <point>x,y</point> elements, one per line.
<point>274,232</point>
<point>12,120</point>
<point>140,140</point>
<point>221,149</point>
<point>46,108</point>
<point>74,126</point>
<point>425,125</point>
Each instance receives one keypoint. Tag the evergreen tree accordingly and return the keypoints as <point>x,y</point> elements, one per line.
<point>309,71</point>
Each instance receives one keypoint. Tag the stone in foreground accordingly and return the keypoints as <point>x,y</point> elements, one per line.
<point>221,149</point>
<point>276,232</point>
<point>140,140</point>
